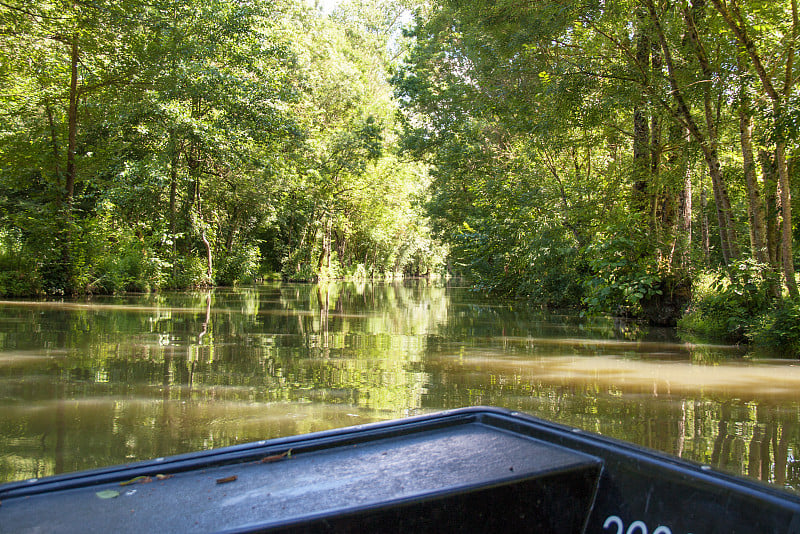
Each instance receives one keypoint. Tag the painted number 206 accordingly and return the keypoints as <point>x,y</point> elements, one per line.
<point>637,527</point>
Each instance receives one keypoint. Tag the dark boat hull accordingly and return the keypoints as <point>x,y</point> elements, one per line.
<point>467,470</point>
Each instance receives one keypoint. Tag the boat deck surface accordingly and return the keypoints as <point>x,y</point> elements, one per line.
<point>284,490</point>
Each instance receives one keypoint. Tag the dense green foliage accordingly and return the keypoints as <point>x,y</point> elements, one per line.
<point>607,154</point>
<point>603,155</point>
<point>178,143</point>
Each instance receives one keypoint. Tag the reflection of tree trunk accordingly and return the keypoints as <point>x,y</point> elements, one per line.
<point>766,459</point>
<point>165,422</point>
<point>204,331</point>
<point>324,307</point>
<point>681,431</point>
<point>725,453</point>
<point>191,374</point>
<point>738,453</point>
<point>719,456</point>
<point>781,457</point>
<point>722,433</point>
<point>754,459</point>
<point>61,431</point>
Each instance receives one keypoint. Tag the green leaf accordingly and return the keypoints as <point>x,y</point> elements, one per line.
<point>107,494</point>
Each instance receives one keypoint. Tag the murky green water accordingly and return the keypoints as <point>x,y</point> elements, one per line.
<point>110,380</point>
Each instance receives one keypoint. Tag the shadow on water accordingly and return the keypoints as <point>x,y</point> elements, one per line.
<point>116,379</point>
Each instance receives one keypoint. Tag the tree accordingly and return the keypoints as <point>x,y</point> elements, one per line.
<point>778,90</point>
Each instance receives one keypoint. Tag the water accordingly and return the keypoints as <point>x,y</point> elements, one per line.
<point>109,380</point>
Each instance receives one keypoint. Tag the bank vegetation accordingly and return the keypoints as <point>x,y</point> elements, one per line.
<point>625,157</point>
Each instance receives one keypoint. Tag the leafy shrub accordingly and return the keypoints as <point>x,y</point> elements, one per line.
<point>543,266</point>
<point>239,267</point>
<point>19,270</point>
<point>112,256</point>
<point>190,272</point>
<point>357,272</point>
<point>135,269</point>
<point>303,272</point>
<point>19,276</point>
<point>779,329</point>
<point>622,276</point>
<point>731,302</point>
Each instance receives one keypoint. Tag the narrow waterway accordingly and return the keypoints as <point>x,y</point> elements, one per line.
<point>109,380</point>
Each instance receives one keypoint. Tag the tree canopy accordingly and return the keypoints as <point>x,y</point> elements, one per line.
<point>178,143</point>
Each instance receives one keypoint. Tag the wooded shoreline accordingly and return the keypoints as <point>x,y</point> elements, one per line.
<point>568,153</point>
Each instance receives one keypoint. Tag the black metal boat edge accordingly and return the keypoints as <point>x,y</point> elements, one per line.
<point>471,469</point>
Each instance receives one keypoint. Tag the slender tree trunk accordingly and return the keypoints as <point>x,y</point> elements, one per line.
<point>770,187</point>
<point>72,120</point>
<point>641,132</point>
<point>725,212</point>
<point>786,219</point>
<point>325,255</point>
<point>173,200</point>
<point>705,234</point>
<point>209,268</point>
<point>755,206</point>
<point>56,154</point>
<point>662,199</point>
<point>173,186</point>
<point>679,164</point>
<point>234,227</point>
<point>685,213</point>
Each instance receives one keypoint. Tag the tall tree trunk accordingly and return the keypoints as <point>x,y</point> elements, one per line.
<point>232,229</point>
<point>685,217</point>
<point>662,199</point>
<point>786,219</point>
<point>325,254</point>
<point>209,265</point>
<point>72,121</point>
<point>641,132</point>
<point>56,153</point>
<point>173,199</point>
<point>755,206</point>
<point>770,187</point>
<point>705,234</point>
<point>679,166</point>
<point>173,186</point>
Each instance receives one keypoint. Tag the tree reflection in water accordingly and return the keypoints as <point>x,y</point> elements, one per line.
<point>118,379</point>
